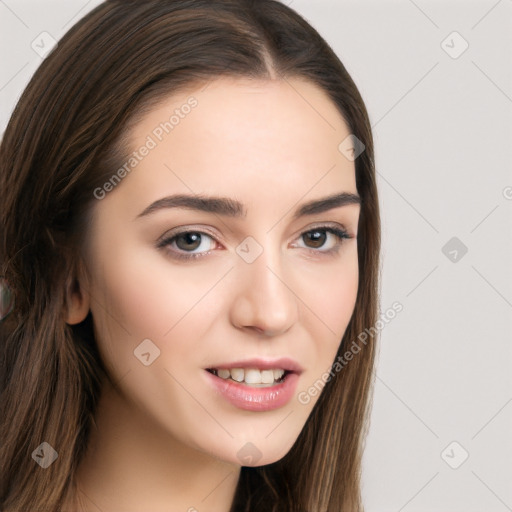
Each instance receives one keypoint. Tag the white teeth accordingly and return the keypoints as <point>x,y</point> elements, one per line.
<point>278,374</point>
<point>237,374</point>
<point>224,373</point>
<point>267,376</point>
<point>251,376</point>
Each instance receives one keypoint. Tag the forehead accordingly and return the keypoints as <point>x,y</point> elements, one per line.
<point>243,137</point>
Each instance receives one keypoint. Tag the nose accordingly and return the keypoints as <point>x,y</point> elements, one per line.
<point>263,299</point>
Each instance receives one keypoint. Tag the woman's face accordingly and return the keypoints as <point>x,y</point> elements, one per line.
<point>252,278</point>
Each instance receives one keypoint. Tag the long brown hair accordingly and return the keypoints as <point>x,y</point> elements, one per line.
<point>63,140</point>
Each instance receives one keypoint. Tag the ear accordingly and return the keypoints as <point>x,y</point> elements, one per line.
<point>77,297</point>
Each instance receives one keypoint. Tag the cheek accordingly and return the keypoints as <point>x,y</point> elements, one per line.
<point>331,294</point>
<point>331,299</point>
<point>141,295</point>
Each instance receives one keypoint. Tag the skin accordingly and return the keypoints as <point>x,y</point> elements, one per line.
<point>165,440</point>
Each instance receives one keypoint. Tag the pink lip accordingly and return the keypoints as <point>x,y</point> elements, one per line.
<point>250,398</point>
<point>262,364</point>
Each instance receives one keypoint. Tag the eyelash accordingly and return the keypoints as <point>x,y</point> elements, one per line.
<point>339,233</point>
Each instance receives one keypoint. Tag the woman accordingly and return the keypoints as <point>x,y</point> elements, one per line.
<point>191,237</point>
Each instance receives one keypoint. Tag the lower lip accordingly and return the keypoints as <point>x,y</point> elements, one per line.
<point>246,397</point>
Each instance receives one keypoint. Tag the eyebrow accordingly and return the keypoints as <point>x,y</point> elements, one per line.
<point>232,208</point>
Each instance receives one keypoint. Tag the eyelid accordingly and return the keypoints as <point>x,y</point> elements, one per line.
<point>325,225</point>
<point>187,229</point>
<point>202,228</point>
<point>335,228</point>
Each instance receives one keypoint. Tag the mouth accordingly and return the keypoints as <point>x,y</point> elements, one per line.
<point>257,372</point>
<point>253,377</point>
<point>255,384</point>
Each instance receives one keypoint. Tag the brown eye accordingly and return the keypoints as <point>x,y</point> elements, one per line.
<point>324,239</point>
<point>188,244</point>
<point>188,241</point>
<point>315,239</point>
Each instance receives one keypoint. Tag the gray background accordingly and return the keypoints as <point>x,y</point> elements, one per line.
<point>442,123</point>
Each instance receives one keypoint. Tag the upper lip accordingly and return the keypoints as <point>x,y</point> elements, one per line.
<point>284,363</point>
